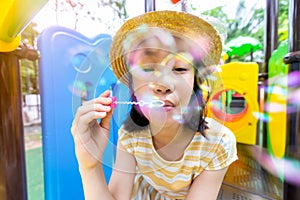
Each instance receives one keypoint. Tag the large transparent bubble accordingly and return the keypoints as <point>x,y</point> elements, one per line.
<point>168,84</point>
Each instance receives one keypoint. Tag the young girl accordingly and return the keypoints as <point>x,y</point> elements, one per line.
<point>167,149</point>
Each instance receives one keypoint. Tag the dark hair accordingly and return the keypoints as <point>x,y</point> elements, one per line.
<point>195,118</point>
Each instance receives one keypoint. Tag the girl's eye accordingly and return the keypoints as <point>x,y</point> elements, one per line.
<point>148,69</point>
<point>180,69</point>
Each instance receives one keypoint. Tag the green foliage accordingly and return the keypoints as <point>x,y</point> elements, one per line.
<point>251,22</point>
<point>246,23</point>
<point>29,77</point>
<point>283,20</point>
<point>30,34</point>
<point>29,69</point>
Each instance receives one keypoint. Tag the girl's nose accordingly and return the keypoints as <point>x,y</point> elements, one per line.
<point>164,82</point>
<point>161,89</point>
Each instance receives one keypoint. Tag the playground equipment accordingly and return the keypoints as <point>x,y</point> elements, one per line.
<point>73,69</point>
<point>277,97</point>
<point>236,88</point>
<point>14,16</point>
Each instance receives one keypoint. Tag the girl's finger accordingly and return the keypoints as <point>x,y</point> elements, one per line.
<point>100,99</point>
<point>104,98</point>
<point>92,107</point>
<point>85,120</point>
<point>98,111</point>
<point>91,110</point>
<point>105,94</point>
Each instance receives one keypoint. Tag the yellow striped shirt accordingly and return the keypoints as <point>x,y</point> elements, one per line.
<point>158,178</point>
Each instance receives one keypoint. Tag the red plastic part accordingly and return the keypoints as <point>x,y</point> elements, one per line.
<point>175,1</point>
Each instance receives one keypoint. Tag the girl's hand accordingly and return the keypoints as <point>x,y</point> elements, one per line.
<point>91,137</point>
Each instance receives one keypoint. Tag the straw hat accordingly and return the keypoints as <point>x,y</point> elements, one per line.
<point>177,23</point>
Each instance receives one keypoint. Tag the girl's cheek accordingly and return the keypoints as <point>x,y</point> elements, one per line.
<point>139,85</point>
<point>145,111</point>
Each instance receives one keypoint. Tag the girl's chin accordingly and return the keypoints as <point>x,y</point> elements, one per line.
<point>160,110</point>
<point>165,119</point>
<point>165,114</point>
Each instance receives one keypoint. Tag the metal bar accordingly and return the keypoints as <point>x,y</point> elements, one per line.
<point>291,191</point>
<point>271,30</point>
<point>183,5</point>
<point>270,44</point>
<point>294,25</point>
<point>149,5</point>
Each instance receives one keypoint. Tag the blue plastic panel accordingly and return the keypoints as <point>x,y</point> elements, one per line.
<point>72,68</point>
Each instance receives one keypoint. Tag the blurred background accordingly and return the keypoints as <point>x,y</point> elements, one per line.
<point>242,23</point>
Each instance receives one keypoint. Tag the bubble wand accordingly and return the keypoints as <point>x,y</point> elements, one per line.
<point>153,103</point>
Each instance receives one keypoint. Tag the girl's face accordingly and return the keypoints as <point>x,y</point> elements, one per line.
<point>162,72</point>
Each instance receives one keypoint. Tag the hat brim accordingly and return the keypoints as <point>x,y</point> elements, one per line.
<point>180,23</point>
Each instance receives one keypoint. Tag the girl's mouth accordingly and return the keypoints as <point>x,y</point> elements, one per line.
<point>168,106</point>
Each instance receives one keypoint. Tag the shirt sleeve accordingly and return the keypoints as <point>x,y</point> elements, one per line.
<point>126,140</point>
<point>225,152</point>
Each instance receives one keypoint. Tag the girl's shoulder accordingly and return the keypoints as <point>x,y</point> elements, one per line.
<point>218,131</point>
<point>131,139</point>
<point>123,132</point>
<point>223,143</point>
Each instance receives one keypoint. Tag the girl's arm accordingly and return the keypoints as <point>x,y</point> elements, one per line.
<point>122,178</point>
<point>121,181</point>
<point>90,139</point>
<point>94,185</point>
<point>207,185</point>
